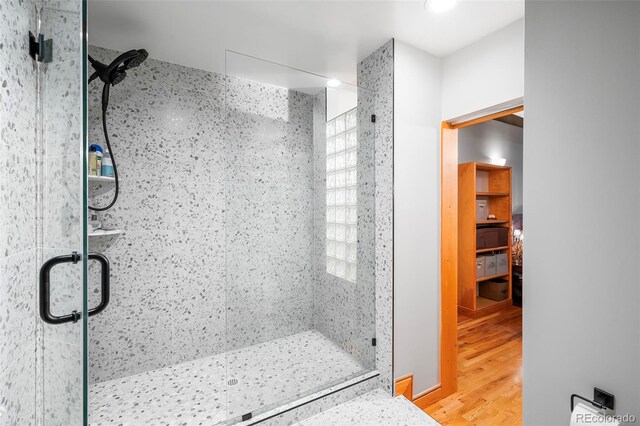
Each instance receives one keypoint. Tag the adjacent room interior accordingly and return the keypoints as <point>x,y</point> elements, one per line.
<point>447,311</point>
<point>480,360</point>
<point>488,367</point>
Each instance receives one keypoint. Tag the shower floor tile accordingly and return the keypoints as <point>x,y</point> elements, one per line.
<point>211,390</point>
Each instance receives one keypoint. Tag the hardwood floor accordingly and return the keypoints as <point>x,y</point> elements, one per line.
<point>489,372</point>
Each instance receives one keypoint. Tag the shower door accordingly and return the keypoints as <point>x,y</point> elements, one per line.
<point>300,246</point>
<point>61,214</point>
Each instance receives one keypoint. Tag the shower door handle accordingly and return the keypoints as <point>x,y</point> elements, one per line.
<point>105,284</point>
<point>45,287</point>
<point>45,290</point>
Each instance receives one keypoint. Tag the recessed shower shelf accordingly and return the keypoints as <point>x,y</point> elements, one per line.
<point>101,179</point>
<point>105,232</point>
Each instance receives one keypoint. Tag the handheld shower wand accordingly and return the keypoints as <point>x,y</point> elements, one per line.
<point>110,75</point>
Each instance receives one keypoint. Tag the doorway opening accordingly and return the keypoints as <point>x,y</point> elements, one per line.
<point>481,264</point>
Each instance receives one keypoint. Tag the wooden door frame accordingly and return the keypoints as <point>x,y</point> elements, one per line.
<point>449,251</point>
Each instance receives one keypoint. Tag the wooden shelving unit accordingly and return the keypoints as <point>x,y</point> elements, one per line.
<point>489,222</point>
<point>479,181</point>
<point>492,249</point>
<point>479,280</point>
<point>492,194</point>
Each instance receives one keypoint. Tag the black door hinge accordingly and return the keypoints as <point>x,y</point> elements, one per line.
<point>40,50</point>
<point>373,118</point>
<point>373,342</point>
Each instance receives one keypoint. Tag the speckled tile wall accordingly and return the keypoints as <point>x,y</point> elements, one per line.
<point>269,219</point>
<point>375,250</point>
<point>17,215</point>
<point>343,310</point>
<point>40,193</point>
<point>346,312</point>
<point>17,128</point>
<point>375,74</point>
<point>185,177</point>
<point>168,302</point>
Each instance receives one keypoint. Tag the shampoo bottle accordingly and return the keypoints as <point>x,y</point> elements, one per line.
<point>107,165</point>
<point>95,160</point>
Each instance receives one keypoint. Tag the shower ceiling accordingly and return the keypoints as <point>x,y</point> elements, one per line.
<point>324,37</point>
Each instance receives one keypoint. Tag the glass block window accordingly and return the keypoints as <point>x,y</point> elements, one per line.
<point>342,193</point>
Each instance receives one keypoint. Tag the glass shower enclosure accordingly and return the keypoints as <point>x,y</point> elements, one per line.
<point>252,288</point>
<point>299,228</point>
<point>233,279</point>
<point>243,279</point>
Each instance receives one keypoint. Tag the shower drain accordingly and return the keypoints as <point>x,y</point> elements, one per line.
<point>232,382</point>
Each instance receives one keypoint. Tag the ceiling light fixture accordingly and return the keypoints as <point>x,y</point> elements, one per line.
<point>440,6</point>
<point>333,83</point>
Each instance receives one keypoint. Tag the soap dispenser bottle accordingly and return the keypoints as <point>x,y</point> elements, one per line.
<point>94,223</point>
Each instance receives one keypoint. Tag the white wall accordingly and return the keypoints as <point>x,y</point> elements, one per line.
<point>486,73</point>
<point>582,206</point>
<point>495,139</point>
<point>427,90</point>
<point>417,114</point>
